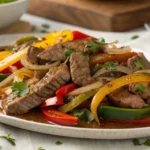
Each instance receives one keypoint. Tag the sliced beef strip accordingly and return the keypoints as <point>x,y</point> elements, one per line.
<point>80,70</point>
<point>39,74</point>
<point>57,51</point>
<point>132,87</point>
<point>32,54</point>
<point>139,57</point>
<point>123,98</point>
<point>134,90</point>
<point>39,92</point>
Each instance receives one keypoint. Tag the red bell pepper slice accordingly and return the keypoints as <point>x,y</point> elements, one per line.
<point>60,93</point>
<point>59,117</point>
<point>65,89</point>
<point>145,121</point>
<point>18,65</point>
<point>79,35</point>
<point>9,69</point>
<point>53,101</point>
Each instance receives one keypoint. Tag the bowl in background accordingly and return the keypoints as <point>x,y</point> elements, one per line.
<point>11,12</point>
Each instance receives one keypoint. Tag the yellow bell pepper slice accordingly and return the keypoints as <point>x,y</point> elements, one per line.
<point>113,85</point>
<point>5,54</point>
<point>54,37</point>
<point>20,74</point>
<point>10,60</point>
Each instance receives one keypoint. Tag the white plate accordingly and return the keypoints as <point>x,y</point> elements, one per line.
<point>72,131</point>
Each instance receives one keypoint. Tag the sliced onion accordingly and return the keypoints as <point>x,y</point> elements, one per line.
<point>121,50</point>
<point>105,78</point>
<point>143,71</point>
<point>118,69</point>
<point>7,81</point>
<point>86,88</point>
<point>32,81</point>
<point>28,65</point>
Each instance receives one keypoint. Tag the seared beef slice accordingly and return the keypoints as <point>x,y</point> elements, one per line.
<point>57,52</point>
<point>146,65</point>
<point>139,58</point>
<point>122,98</point>
<point>80,70</point>
<point>39,92</point>
<point>32,54</point>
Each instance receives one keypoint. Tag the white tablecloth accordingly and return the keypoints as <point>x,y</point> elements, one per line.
<point>26,140</point>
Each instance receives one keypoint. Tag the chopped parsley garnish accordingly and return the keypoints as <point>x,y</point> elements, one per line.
<point>46,26</point>
<point>44,31</point>
<point>136,142</point>
<point>10,48</point>
<point>83,114</point>
<point>101,40</point>
<point>69,52</point>
<point>9,139</point>
<point>110,66</point>
<point>134,37</point>
<point>19,88</point>
<point>93,46</point>
<point>139,64</point>
<point>40,148</point>
<point>147,142</point>
<point>58,143</point>
<point>85,55</point>
<point>140,87</point>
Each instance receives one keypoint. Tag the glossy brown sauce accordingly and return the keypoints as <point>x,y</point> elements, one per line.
<point>36,116</point>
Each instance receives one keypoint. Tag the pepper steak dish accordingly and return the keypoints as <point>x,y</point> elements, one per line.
<point>73,79</point>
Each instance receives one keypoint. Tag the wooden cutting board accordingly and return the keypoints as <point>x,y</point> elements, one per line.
<point>18,27</point>
<point>108,15</point>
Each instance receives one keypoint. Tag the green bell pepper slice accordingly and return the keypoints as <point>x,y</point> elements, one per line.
<point>76,101</point>
<point>111,112</point>
<point>3,76</point>
<point>25,39</point>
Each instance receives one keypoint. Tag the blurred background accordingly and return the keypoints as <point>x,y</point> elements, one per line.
<point>101,15</point>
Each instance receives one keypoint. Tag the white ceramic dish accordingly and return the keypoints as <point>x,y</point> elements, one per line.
<point>72,131</point>
<point>11,12</point>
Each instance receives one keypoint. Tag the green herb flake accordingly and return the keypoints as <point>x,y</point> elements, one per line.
<point>85,55</point>
<point>69,52</point>
<point>58,143</point>
<point>139,64</point>
<point>9,139</point>
<point>83,114</point>
<point>140,87</point>
<point>134,37</point>
<point>44,31</point>
<point>94,47</point>
<point>136,142</point>
<point>40,148</point>
<point>101,40</point>
<point>19,88</point>
<point>110,66</point>
<point>147,142</point>
<point>9,48</point>
<point>46,26</point>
